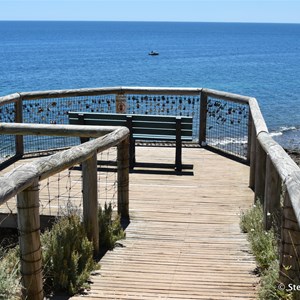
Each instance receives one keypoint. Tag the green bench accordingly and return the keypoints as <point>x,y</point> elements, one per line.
<point>143,128</point>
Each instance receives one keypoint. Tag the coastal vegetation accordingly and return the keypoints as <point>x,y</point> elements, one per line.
<point>264,246</point>
<point>110,229</point>
<point>295,155</point>
<point>10,287</point>
<point>67,254</point>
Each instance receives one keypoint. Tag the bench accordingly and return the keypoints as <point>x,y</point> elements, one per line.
<point>142,128</point>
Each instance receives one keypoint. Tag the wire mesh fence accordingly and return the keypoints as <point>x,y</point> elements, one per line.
<point>107,177</point>
<point>55,111</point>
<point>175,105</point>
<point>227,126</point>
<point>7,142</point>
<point>226,130</point>
<point>62,192</point>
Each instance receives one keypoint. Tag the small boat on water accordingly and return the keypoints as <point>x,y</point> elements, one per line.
<point>153,53</point>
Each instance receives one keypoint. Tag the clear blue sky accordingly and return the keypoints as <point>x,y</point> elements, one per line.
<point>274,11</point>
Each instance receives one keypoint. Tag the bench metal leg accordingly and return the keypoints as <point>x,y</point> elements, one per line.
<point>178,162</point>
<point>131,143</point>
<point>178,155</point>
<point>132,154</point>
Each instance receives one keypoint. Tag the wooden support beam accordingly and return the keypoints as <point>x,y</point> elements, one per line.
<point>90,200</point>
<point>250,132</point>
<point>123,178</point>
<point>290,244</point>
<point>121,100</point>
<point>19,119</point>
<point>272,195</point>
<point>252,157</point>
<point>30,244</point>
<point>260,173</point>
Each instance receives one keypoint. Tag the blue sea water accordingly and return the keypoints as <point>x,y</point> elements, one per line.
<point>259,60</point>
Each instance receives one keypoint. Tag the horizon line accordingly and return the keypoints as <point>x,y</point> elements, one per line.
<point>154,21</point>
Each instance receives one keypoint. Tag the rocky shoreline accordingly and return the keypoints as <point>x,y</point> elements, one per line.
<point>295,155</point>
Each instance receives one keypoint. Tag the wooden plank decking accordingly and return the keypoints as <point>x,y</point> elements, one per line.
<point>183,241</point>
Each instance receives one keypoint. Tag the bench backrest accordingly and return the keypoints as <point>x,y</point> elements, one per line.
<point>142,126</point>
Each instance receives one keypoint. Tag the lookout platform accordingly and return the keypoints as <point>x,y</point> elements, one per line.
<point>183,240</point>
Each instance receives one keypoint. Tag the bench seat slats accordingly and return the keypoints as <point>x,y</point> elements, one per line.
<point>104,122</point>
<point>143,127</point>
<point>165,125</point>
<point>115,116</point>
<point>94,116</point>
<point>160,132</point>
<point>158,118</point>
<point>159,137</point>
<point>140,127</point>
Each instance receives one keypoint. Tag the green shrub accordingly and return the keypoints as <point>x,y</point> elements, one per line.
<point>10,287</point>
<point>263,243</point>
<point>110,230</point>
<point>67,255</point>
<point>264,246</point>
<point>269,284</point>
<point>252,219</point>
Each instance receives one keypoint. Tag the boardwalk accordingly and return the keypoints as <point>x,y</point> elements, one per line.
<point>183,241</point>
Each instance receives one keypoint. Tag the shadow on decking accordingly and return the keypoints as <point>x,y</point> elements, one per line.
<point>162,169</point>
<point>145,168</point>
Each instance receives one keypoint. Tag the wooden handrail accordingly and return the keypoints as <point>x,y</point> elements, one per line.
<point>12,98</point>
<point>226,96</point>
<point>109,90</point>
<point>275,176</point>
<point>17,180</point>
<point>24,182</point>
<point>56,130</point>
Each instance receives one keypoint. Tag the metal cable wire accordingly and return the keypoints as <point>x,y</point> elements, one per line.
<point>7,142</point>
<point>55,111</point>
<point>227,126</point>
<point>166,105</point>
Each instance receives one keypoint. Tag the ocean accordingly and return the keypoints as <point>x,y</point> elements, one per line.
<point>259,60</point>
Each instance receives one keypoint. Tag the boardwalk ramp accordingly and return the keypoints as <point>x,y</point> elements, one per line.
<point>184,240</point>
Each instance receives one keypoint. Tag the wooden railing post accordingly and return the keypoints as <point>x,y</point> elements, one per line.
<point>252,156</point>
<point>203,119</point>
<point>260,172</point>
<point>121,100</point>
<point>123,178</point>
<point>290,245</point>
<point>29,239</point>
<point>90,200</point>
<point>19,119</point>
<point>249,140</point>
<point>272,195</point>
